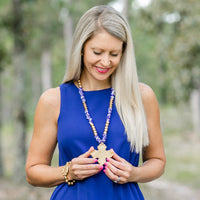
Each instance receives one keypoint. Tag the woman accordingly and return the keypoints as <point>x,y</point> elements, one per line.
<point>101,118</point>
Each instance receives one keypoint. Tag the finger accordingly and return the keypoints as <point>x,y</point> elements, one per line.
<point>79,167</point>
<point>117,164</point>
<point>83,161</point>
<point>87,153</point>
<point>114,170</point>
<point>87,173</point>
<point>117,157</point>
<point>111,175</point>
<point>78,164</point>
<point>123,170</point>
<point>83,171</point>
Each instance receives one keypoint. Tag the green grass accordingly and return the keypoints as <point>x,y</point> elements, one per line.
<point>182,152</point>
<point>181,146</point>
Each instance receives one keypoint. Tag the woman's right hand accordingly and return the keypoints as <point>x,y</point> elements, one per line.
<point>83,167</point>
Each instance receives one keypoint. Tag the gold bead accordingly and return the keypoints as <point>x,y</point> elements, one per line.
<point>91,123</point>
<point>85,106</point>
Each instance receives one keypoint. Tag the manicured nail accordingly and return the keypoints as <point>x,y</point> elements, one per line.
<point>101,167</point>
<point>105,164</point>
<point>107,159</point>
<point>95,160</point>
<point>91,147</point>
<point>104,171</point>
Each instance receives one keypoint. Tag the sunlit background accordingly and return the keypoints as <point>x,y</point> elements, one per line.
<point>35,39</point>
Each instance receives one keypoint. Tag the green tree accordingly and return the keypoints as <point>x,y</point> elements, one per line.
<point>5,60</point>
<point>20,115</point>
<point>174,24</point>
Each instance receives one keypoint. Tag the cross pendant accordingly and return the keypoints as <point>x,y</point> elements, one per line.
<point>102,153</point>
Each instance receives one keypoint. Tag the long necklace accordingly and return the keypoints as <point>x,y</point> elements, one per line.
<point>101,153</point>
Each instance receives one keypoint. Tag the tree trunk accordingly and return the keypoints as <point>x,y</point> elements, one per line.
<point>36,84</point>
<point>125,7</point>
<point>19,118</point>
<point>19,92</point>
<point>67,29</point>
<point>46,70</point>
<point>195,107</point>
<point>1,148</point>
<point>68,33</point>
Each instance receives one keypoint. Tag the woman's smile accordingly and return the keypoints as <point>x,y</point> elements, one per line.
<point>102,70</point>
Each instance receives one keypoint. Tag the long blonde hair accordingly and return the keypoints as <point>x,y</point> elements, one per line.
<point>124,80</point>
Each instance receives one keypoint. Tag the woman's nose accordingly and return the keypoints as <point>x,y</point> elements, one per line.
<point>105,60</point>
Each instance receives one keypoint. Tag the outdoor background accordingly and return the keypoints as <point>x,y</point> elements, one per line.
<point>35,38</point>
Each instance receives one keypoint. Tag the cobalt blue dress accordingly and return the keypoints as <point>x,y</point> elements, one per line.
<point>75,137</point>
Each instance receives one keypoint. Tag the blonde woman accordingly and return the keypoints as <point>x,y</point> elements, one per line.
<point>101,118</point>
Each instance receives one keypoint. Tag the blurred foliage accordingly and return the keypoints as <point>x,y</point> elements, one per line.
<point>165,36</point>
<point>5,38</point>
<point>174,26</point>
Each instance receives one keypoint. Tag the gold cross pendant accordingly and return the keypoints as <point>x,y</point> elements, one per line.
<point>101,153</point>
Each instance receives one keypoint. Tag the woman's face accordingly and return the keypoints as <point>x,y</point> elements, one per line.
<point>101,56</point>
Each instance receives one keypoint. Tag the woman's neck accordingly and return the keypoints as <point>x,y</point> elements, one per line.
<point>89,84</point>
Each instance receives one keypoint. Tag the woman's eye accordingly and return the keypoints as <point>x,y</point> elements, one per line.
<point>115,55</point>
<point>97,53</point>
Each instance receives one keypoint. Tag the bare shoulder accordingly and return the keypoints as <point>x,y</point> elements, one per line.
<point>51,97</point>
<point>48,107</point>
<point>146,91</point>
<point>148,95</point>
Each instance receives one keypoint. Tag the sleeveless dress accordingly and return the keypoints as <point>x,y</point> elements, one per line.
<point>75,137</point>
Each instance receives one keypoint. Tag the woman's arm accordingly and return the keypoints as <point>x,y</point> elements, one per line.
<point>38,166</point>
<point>43,143</point>
<point>153,156</point>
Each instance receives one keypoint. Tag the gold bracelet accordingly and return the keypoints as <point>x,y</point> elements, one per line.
<point>65,173</point>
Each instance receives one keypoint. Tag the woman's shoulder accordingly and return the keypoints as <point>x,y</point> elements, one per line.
<point>51,97</point>
<point>145,89</point>
<point>147,94</point>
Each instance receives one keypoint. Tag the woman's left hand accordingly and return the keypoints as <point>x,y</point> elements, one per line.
<point>119,170</point>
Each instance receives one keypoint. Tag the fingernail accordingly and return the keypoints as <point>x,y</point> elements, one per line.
<point>104,171</point>
<point>105,164</point>
<point>101,167</point>
<point>107,159</point>
<point>95,160</point>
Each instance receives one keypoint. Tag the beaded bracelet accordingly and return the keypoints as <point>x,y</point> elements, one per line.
<point>65,174</point>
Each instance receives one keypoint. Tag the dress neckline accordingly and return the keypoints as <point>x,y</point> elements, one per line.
<point>88,91</point>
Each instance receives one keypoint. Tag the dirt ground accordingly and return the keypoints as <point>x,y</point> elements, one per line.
<point>164,190</point>
<point>156,190</point>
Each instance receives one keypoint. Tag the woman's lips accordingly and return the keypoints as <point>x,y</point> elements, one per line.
<point>102,70</point>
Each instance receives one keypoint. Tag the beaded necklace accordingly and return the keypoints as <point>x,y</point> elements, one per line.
<point>101,153</point>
